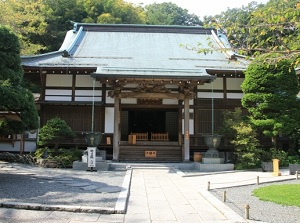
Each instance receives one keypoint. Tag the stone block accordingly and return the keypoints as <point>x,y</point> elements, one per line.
<point>214,167</point>
<point>101,166</point>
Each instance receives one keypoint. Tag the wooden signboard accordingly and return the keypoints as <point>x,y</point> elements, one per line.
<point>150,154</point>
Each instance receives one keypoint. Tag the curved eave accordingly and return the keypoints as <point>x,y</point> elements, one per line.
<point>226,72</point>
<point>152,73</point>
<point>28,59</point>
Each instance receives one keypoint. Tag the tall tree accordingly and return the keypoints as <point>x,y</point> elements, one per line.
<point>58,14</point>
<point>168,13</point>
<point>270,95</point>
<point>26,20</point>
<point>42,24</point>
<point>14,97</point>
<point>111,11</point>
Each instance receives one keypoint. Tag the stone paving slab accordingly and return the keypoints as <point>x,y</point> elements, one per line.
<point>73,196</point>
<point>114,189</point>
<point>89,188</point>
<point>78,184</point>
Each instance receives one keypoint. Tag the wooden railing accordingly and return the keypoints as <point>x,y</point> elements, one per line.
<point>159,136</point>
<point>141,135</point>
<point>144,136</point>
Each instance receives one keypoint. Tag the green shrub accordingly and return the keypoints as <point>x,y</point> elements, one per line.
<point>246,147</point>
<point>269,154</point>
<point>54,131</point>
<point>41,152</point>
<point>294,159</point>
<point>64,156</point>
<point>68,156</point>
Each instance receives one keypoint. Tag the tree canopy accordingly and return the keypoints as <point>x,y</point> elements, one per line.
<point>54,131</point>
<point>270,91</point>
<point>41,25</point>
<point>27,20</point>
<point>14,97</point>
<point>170,14</point>
<point>257,29</point>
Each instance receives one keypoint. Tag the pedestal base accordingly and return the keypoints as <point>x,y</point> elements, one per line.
<point>214,168</point>
<point>212,160</point>
<point>78,165</point>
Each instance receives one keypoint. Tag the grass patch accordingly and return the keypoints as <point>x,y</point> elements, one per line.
<point>286,194</point>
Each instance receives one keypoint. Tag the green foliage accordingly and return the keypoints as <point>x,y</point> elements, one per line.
<point>41,152</point>
<point>239,133</point>
<point>14,96</point>
<point>64,156</point>
<point>231,119</point>
<point>259,29</point>
<point>233,23</point>
<point>26,19</point>
<point>295,159</point>
<point>168,13</point>
<point>270,91</point>
<point>68,156</point>
<point>246,146</point>
<point>268,155</point>
<point>58,15</point>
<point>42,24</point>
<point>286,194</point>
<point>54,130</point>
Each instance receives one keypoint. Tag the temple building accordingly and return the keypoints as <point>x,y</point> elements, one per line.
<point>145,88</point>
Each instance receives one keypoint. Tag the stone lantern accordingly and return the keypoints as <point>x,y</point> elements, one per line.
<point>93,139</point>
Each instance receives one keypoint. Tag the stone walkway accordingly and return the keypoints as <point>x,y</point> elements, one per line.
<point>30,187</point>
<point>157,195</point>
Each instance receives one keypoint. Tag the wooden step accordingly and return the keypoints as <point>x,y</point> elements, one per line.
<point>162,153</point>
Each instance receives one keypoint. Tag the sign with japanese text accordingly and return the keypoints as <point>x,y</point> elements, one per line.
<point>91,156</point>
<point>151,154</point>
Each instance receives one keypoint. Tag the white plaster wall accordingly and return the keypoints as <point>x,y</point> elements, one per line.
<point>210,94</point>
<point>234,83</point>
<point>191,126</point>
<point>58,92</point>
<point>235,95</point>
<point>56,80</point>
<point>216,84</point>
<point>191,121</point>
<point>87,95</point>
<point>109,100</point>
<point>57,98</point>
<point>87,99</point>
<point>29,146</point>
<point>58,95</point>
<point>86,81</point>
<point>109,120</point>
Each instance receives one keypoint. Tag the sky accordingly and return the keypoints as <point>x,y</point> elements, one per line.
<point>203,8</point>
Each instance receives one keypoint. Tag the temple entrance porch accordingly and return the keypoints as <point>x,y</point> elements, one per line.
<point>156,135</point>
<point>150,151</point>
<point>148,124</point>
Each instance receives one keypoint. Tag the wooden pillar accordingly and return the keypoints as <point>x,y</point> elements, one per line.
<point>180,127</point>
<point>186,146</point>
<point>116,137</point>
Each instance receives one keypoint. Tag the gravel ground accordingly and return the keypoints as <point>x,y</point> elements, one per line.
<point>29,184</point>
<point>238,197</point>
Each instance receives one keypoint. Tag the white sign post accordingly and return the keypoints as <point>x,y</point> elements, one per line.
<point>92,158</point>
